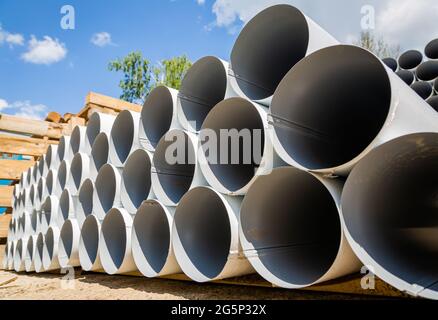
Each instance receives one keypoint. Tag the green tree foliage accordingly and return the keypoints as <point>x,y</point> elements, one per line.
<point>139,77</point>
<point>378,46</point>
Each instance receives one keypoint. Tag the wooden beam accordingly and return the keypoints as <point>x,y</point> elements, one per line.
<point>4,225</point>
<point>54,117</point>
<point>6,196</point>
<point>107,102</point>
<point>33,127</point>
<point>24,145</point>
<point>12,169</point>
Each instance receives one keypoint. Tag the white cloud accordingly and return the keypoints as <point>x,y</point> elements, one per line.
<point>12,39</point>
<point>46,51</point>
<point>101,39</point>
<point>200,2</point>
<point>24,109</point>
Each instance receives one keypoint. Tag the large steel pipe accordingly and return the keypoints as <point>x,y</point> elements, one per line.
<point>50,249</point>
<point>175,167</point>
<point>98,123</point>
<point>407,76</point>
<point>205,84</point>
<point>24,226</point>
<point>35,173</point>
<point>51,158</point>
<point>205,236</point>
<point>29,176</point>
<point>431,49</point>
<point>99,154</point>
<point>63,152</point>
<point>269,46</point>
<point>423,89</point>
<point>68,247</point>
<point>19,255</point>
<point>49,213</point>
<point>89,244</point>
<point>29,256</point>
<point>123,137</point>
<point>158,115</point>
<point>79,171</point>
<point>291,231</point>
<point>84,206</point>
<point>50,186</point>
<point>68,207</point>
<point>427,71</point>
<point>235,145</point>
<point>77,141</point>
<point>433,102</point>
<point>106,193</point>
<point>38,255</point>
<point>115,250</point>
<point>33,195</point>
<point>391,63</point>
<point>42,167</point>
<point>62,178</point>
<point>41,193</point>
<point>410,59</point>
<point>136,180</point>
<point>151,240</point>
<point>35,222</point>
<point>389,206</point>
<point>331,131</point>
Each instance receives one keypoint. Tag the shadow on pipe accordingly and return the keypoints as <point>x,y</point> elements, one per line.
<point>98,123</point>
<point>68,249</point>
<point>89,244</point>
<point>106,193</point>
<point>99,154</point>
<point>50,249</point>
<point>85,201</point>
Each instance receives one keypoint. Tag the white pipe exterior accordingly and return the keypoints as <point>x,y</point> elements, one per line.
<point>170,181</point>
<point>205,84</point>
<point>99,154</point>
<point>107,188</point>
<point>97,123</point>
<point>77,141</point>
<point>85,201</point>
<point>151,240</point>
<point>331,139</point>
<point>29,256</point>
<point>232,114</point>
<point>19,255</point>
<point>89,244</point>
<point>115,250</point>
<point>68,249</point>
<point>38,255</point>
<point>79,171</point>
<point>291,231</point>
<point>136,181</point>
<point>50,249</point>
<point>205,236</point>
<point>123,137</point>
<point>68,206</point>
<point>269,45</point>
<point>158,115</point>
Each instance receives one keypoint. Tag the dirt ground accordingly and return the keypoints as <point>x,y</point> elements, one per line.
<point>88,286</point>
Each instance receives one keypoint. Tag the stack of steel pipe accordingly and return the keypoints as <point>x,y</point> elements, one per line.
<point>302,159</point>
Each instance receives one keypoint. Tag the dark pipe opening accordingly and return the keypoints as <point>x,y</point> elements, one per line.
<point>86,197</point>
<point>153,234</point>
<point>62,148</point>
<point>390,207</point>
<point>157,114</point>
<point>62,175</point>
<point>203,228</point>
<point>137,177</point>
<point>267,48</point>
<point>114,235</point>
<point>432,49</point>
<point>391,63</point>
<point>93,128</point>
<point>75,141</point>
<point>106,187</point>
<point>175,178</point>
<point>49,183</point>
<point>423,89</point>
<point>433,102</point>
<point>234,114</point>
<point>67,238</point>
<point>410,59</point>
<point>203,87</point>
<point>122,135</point>
<point>407,76</point>
<point>428,71</point>
<point>64,204</point>
<point>99,151</point>
<point>76,171</point>
<point>90,238</point>
<point>328,113</point>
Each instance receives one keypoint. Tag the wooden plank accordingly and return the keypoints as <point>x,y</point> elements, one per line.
<point>4,225</point>
<point>12,169</point>
<point>54,117</point>
<point>107,102</point>
<point>33,127</point>
<point>24,145</point>
<point>6,196</point>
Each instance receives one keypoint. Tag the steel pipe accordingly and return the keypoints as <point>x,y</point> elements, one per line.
<point>38,255</point>
<point>24,226</point>
<point>158,115</point>
<point>427,71</point>
<point>29,175</point>
<point>410,59</point>
<point>390,213</point>
<point>407,76</point>
<point>423,89</point>
<point>51,158</point>
<point>205,84</point>
<point>79,171</point>
<point>50,249</point>
<point>63,152</point>
<point>98,123</point>
<point>123,137</point>
<point>431,49</point>
<point>331,137</point>
<point>172,178</point>
<point>33,195</point>
<point>13,245</point>
<point>115,250</point>
<point>433,102</point>
<point>205,236</point>
<point>107,188</point>
<point>99,154</point>
<point>49,213</point>
<point>35,222</point>
<point>291,231</point>
<point>89,244</point>
<point>35,173</point>
<point>41,192</point>
<point>391,63</point>
<point>269,46</point>
<point>84,207</point>
<point>19,255</point>
<point>77,141</point>
<point>62,178</point>
<point>68,249</point>
<point>68,206</point>
<point>29,256</point>
<point>136,180</point>
<point>50,187</point>
<point>233,172</point>
<point>151,240</point>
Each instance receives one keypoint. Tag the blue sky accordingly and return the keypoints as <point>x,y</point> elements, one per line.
<point>44,68</point>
